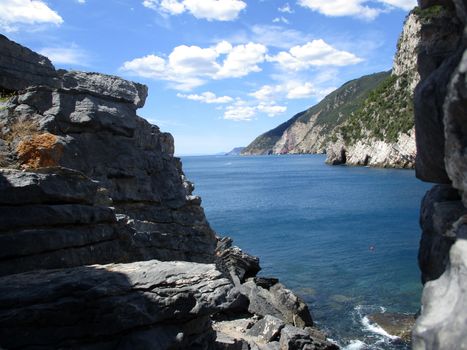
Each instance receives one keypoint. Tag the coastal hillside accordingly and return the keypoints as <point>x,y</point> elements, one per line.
<point>367,121</point>
<point>308,131</point>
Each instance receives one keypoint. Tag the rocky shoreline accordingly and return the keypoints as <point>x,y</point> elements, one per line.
<point>103,245</point>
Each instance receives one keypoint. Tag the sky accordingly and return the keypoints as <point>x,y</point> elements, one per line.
<point>219,72</point>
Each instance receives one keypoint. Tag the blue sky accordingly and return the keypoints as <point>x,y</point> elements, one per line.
<point>220,72</point>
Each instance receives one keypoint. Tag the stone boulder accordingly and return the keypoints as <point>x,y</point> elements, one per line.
<point>111,305</point>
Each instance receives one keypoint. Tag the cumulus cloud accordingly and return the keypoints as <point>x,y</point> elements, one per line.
<point>355,8</point>
<point>207,97</point>
<point>187,67</point>
<point>26,12</point>
<point>315,53</point>
<point>211,10</point>
<point>242,110</point>
<point>66,55</point>
<point>291,90</point>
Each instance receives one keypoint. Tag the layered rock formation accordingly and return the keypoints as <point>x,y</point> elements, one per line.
<point>441,119</point>
<point>102,244</point>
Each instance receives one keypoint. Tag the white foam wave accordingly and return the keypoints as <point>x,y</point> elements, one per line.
<point>356,345</point>
<point>374,328</point>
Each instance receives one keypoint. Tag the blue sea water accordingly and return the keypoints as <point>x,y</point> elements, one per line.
<point>344,238</point>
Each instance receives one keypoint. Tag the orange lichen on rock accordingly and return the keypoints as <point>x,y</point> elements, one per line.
<point>39,151</point>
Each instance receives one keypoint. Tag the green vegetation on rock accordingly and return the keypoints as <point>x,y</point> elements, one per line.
<point>332,111</point>
<point>386,112</point>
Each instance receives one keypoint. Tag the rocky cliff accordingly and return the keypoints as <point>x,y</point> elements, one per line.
<point>309,131</point>
<point>368,121</point>
<point>102,244</point>
<point>441,119</point>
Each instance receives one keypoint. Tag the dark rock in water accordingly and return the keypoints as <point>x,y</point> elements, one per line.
<point>399,325</point>
<point>47,308</point>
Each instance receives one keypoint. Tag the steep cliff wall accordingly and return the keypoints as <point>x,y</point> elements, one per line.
<point>441,119</point>
<point>102,244</point>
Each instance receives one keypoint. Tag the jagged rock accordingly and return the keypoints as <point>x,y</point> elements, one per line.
<point>224,342</point>
<point>105,86</point>
<point>443,320</point>
<point>375,153</point>
<point>293,338</point>
<point>67,308</point>
<point>51,186</point>
<point>455,120</point>
<point>235,262</point>
<point>441,207</point>
<point>87,122</point>
<point>437,59</point>
<point>277,301</point>
<point>22,67</point>
<point>267,329</point>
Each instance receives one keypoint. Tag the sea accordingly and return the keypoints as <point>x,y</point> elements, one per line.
<point>343,238</point>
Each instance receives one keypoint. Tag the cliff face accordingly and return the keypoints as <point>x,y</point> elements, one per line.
<point>309,131</point>
<point>102,244</point>
<point>381,133</point>
<point>368,121</point>
<point>441,117</point>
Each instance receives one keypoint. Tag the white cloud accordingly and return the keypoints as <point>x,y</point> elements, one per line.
<point>190,66</point>
<point>66,55</point>
<point>241,110</point>
<point>29,12</point>
<point>315,53</point>
<point>242,60</point>
<point>81,1</point>
<point>355,8</point>
<point>406,5</point>
<point>285,9</point>
<point>280,19</point>
<point>301,91</point>
<point>291,90</point>
<point>218,10</point>
<point>271,110</point>
<point>207,97</point>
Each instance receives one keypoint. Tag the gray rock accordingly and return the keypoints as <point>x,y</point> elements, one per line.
<point>21,67</point>
<point>235,262</point>
<point>278,302</point>
<point>224,342</point>
<point>65,308</point>
<point>293,338</point>
<point>267,329</point>
<point>107,86</point>
<point>441,207</point>
<point>443,320</point>
<point>455,120</point>
<point>437,59</point>
<point>53,186</point>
